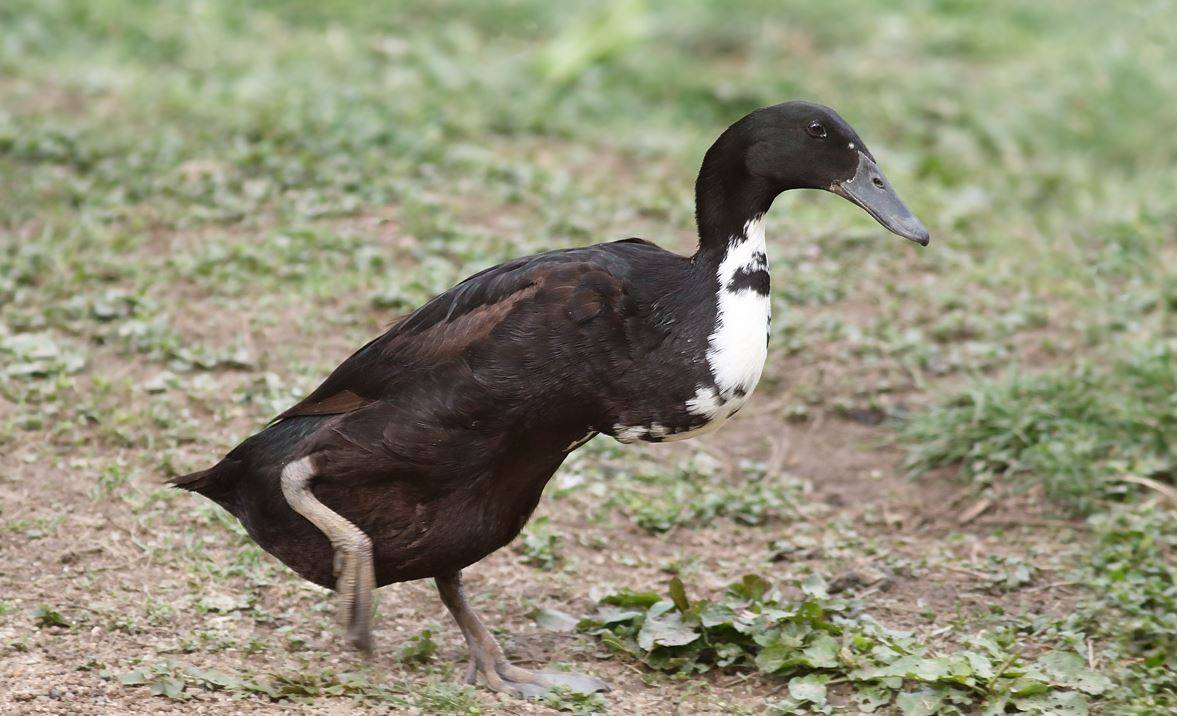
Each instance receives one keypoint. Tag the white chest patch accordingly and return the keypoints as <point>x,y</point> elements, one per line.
<point>738,347</point>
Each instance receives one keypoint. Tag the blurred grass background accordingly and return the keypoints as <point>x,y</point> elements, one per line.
<point>178,178</point>
<point>1037,140</point>
<point>1034,132</point>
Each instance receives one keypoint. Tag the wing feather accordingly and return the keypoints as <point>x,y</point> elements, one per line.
<point>439,330</point>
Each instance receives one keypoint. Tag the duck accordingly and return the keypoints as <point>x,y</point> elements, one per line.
<point>428,449</point>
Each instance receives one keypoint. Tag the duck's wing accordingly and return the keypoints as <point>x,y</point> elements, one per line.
<point>575,285</point>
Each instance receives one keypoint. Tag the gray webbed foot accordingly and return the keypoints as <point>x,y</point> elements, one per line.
<point>487,659</point>
<point>508,678</point>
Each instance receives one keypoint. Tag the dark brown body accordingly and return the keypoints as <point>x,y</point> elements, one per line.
<point>426,519</point>
<point>437,438</point>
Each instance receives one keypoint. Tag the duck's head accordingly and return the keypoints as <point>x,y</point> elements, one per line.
<point>802,145</point>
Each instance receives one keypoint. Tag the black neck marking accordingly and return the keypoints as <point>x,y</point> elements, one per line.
<point>727,197</point>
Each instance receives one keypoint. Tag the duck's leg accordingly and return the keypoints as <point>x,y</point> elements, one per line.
<point>487,656</point>
<point>355,575</point>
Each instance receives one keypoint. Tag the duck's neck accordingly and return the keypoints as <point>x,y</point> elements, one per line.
<point>727,199</point>
<point>730,208</point>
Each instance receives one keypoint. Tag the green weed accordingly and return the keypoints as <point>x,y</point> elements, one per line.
<point>696,495</point>
<point>1130,616</point>
<point>816,642</point>
<point>1075,431</point>
<point>538,544</point>
<point>573,702</point>
<point>178,681</point>
<point>420,649</point>
<point>46,618</point>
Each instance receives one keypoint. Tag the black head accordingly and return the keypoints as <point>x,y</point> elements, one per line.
<point>801,145</point>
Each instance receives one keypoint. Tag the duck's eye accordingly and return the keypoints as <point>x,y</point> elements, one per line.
<point>817,130</point>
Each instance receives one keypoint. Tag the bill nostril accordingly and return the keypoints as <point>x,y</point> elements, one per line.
<point>877,182</point>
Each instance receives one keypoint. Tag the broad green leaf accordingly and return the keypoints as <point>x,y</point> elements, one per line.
<point>870,698</point>
<point>133,678</point>
<point>665,630</point>
<point>46,617</point>
<point>815,586</point>
<point>982,666</point>
<point>713,614</point>
<point>607,615</point>
<point>752,587</point>
<point>794,634</point>
<point>212,677</point>
<point>727,653</point>
<point>630,598</point>
<point>554,620</point>
<point>1055,703</point>
<point>167,686</point>
<point>1027,687</point>
<point>923,702</point>
<point>905,667</point>
<point>822,652</point>
<point>995,705</point>
<point>931,669</point>
<point>811,688</point>
<point>777,657</point>
<point>1070,670</point>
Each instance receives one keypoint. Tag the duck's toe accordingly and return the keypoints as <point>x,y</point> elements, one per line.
<point>580,683</point>
<point>529,684</point>
<point>528,691</point>
<point>360,638</point>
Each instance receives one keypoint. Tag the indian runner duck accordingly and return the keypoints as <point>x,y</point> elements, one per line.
<point>429,447</point>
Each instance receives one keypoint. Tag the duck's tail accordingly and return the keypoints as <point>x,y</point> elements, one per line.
<point>215,483</point>
<point>260,457</point>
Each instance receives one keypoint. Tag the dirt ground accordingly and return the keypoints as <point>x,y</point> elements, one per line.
<point>121,577</point>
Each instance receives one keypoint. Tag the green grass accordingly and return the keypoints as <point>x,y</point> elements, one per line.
<point>1078,431</point>
<point>1133,608</point>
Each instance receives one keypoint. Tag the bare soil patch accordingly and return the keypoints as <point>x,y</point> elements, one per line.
<point>121,573</point>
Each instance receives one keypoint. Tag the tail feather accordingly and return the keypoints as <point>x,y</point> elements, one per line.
<point>214,483</point>
<point>259,457</point>
<point>193,481</point>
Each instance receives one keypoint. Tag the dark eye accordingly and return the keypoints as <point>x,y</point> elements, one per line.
<point>817,130</point>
